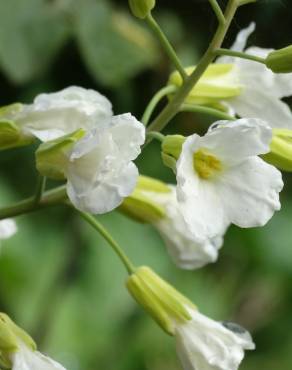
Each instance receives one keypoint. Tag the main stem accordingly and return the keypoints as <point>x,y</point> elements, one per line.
<point>106,235</point>
<point>49,198</point>
<point>175,104</point>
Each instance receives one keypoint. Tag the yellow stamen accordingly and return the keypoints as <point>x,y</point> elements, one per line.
<point>205,164</point>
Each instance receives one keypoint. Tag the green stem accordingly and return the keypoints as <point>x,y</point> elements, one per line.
<point>155,100</point>
<point>40,189</point>
<point>206,110</point>
<point>241,55</point>
<point>156,135</point>
<point>106,235</point>
<point>175,104</point>
<point>49,198</point>
<point>217,11</point>
<point>166,45</point>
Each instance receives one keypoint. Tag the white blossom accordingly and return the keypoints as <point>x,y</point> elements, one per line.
<point>186,250</point>
<point>27,359</point>
<point>205,344</point>
<point>221,180</point>
<point>60,113</point>
<point>100,171</point>
<point>262,89</point>
<point>7,228</point>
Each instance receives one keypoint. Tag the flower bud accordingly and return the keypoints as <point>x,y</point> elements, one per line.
<point>52,156</point>
<point>280,61</point>
<point>219,82</point>
<point>281,150</point>
<point>141,8</point>
<point>171,149</point>
<point>164,303</point>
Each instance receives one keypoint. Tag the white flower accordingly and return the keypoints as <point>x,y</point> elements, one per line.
<point>7,228</point>
<point>262,89</point>
<point>204,344</point>
<point>186,250</point>
<point>56,114</point>
<point>221,180</point>
<point>99,170</point>
<point>28,359</point>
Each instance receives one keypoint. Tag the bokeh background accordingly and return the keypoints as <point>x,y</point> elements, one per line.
<point>58,279</point>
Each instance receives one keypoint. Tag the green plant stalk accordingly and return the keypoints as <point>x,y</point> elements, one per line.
<point>241,55</point>
<point>106,235</point>
<point>41,185</point>
<point>166,45</point>
<point>155,100</point>
<point>155,135</point>
<point>206,110</point>
<point>217,10</point>
<point>175,104</point>
<point>49,198</point>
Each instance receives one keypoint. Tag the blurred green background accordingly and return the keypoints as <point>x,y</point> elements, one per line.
<point>58,279</point>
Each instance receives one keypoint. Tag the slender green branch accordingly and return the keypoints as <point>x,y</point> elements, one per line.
<point>49,198</point>
<point>155,100</point>
<point>166,45</point>
<point>206,110</point>
<point>106,235</point>
<point>175,104</point>
<point>241,55</point>
<point>217,10</point>
<point>41,185</point>
<point>155,135</point>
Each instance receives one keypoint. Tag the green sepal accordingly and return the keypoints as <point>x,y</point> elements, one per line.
<point>280,61</point>
<point>280,154</point>
<point>141,8</point>
<point>10,336</point>
<point>11,135</point>
<point>150,184</point>
<point>219,82</point>
<point>51,157</point>
<point>164,303</point>
<point>141,208</point>
<point>171,149</point>
<point>9,111</point>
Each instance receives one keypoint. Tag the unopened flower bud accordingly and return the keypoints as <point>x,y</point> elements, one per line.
<point>141,8</point>
<point>280,61</point>
<point>281,150</point>
<point>171,149</point>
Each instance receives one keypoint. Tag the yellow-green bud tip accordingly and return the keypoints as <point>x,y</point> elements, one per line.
<point>141,8</point>
<point>280,61</point>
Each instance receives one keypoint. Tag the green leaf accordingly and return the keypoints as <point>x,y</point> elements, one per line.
<point>32,32</point>
<point>114,47</point>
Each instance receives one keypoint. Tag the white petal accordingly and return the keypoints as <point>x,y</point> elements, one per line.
<point>232,141</point>
<point>254,102</point>
<point>198,198</point>
<point>7,228</point>
<point>57,114</point>
<point>25,359</point>
<point>128,134</point>
<point>104,196</point>
<point>204,344</point>
<point>240,43</point>
<point>185,249</point>
<point>250,192</point>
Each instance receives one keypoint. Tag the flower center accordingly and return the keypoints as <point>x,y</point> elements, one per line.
<point>205,164</point>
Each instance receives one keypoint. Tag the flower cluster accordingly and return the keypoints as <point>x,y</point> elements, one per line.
<point>227,176</point>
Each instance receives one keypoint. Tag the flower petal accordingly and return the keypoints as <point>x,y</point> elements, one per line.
<point>198,198</point>
<point>250,192</point>
<point>206,344</point>
<point>60,113</point>
<point>7,228</point>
